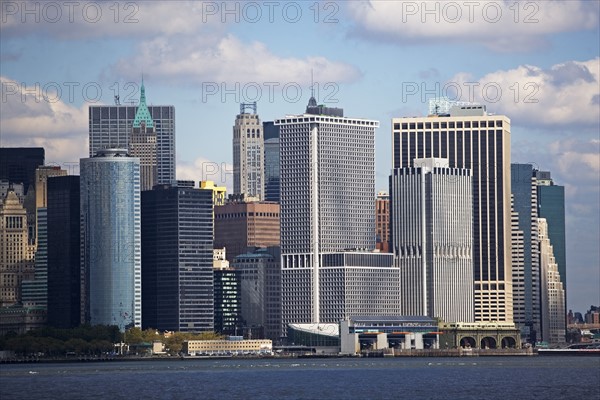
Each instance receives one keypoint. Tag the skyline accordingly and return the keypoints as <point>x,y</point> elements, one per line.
<point>379,61</point>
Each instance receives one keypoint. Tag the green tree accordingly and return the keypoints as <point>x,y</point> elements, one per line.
<point>77,345</point>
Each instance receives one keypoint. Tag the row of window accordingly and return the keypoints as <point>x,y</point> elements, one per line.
<point>448,124</point>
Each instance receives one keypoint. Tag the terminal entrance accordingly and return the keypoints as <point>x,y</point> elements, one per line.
<point>488,342</point>
<point>508,343</point>
<point>467,342</point>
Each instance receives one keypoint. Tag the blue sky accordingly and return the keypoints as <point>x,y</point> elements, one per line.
<point>539,62</point>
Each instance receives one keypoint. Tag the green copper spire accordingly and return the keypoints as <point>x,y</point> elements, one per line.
<point>143,114</point>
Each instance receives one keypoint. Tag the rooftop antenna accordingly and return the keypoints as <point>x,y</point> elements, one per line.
<point>246,106</point>
<point>117,100</point>
<point>312,83</point>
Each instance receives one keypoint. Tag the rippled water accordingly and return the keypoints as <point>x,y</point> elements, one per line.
<point>398,378</point>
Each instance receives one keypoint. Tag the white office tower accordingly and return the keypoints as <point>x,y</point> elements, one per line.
<point>329,270</point>
<point>432,239</point>
<point>552,291</point>
<point>472,139</point>
<point>248,154</point>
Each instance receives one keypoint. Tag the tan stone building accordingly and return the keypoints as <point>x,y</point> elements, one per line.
<point>16,254</point>
<point>211,347</point>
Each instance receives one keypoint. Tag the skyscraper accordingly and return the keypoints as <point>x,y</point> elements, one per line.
<point>143,145</point>
<point>18,164</point>
<point>240,226</point>
<point>327,227</point>
<point>64,270</point>
<point>16,254</point>
<point>248,154</point>
<point>35,292</point>
<point>525,257</point>
<point>471,139</point>
<point>551,207</point>
<point>553,319</point>
<point>271,134</point>
<point>177,255</point>
<point>382,221</point>
<point>228,313</point>
<point>260,284</point>
<point>110,239</point>
<point>113,127</point>
<point>433,240</point>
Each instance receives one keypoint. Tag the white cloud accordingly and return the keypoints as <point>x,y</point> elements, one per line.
<point>29,119</point>
<point>178,42</point>
<point>566,93</point>
<point>579,160</point>
<point>185,59</point>
<point>499,25</point>
<point>202,169</point>
<point>97,19</point>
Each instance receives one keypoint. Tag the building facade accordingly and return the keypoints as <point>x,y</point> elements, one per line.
<point>260,287</point>
<point>35,292</point>
<point>271,135</point>
<point>64,252</point>
<point>16,253</point>
<point>219,192</point>
<point>177,255</point>
<point>551,207</point>
<point>553,319</point>
<point>471,139</point>
<point>525,256</point>
<point>327,169</point>
<point>111,239</point>
<point>240,225</point>
<point>228,301</point>
<point>143,143</point>
<point>18,164</point>
<point>248,154</point>
<point>112,127</point>
<point>432,239</point>
<point>382,222</point>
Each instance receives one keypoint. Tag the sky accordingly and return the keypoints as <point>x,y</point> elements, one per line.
<point>537,62</point>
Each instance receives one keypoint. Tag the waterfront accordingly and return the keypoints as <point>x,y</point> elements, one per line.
<point>343,378</point>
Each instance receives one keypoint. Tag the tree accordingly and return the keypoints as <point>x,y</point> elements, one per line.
<point>77,345</point>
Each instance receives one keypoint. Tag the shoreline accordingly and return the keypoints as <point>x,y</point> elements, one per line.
<point>455,353</point>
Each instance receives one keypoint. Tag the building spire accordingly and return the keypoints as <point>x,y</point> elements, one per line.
<point>312,102</point>
<point>143,114</point>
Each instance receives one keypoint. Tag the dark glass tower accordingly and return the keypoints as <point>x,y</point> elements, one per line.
<point>18,164</point>
<point>526,268</point>
<point>64,290</point>
<point>177,259</point>
<point>227,301</point>
<point>271,135</point>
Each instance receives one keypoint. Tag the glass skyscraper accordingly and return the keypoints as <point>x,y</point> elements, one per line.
<point>110,239</point>
<point>525,257</point>
<point>271,134</point>
<point>64,277</point>
<point>177,254</point>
